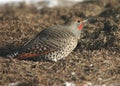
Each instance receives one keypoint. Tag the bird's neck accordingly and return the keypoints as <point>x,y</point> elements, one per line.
<point>74,29</point>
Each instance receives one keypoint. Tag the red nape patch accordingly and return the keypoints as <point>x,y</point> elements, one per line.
<point>80,26</point>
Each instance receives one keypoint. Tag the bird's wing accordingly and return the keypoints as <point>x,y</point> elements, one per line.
<point>48,40</point>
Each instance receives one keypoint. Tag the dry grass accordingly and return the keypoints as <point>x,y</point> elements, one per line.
<point>96,59</point>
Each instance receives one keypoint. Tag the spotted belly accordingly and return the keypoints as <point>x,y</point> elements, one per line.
<point>63,52</point>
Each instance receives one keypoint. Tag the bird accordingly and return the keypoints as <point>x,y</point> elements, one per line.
<point>53,43</point>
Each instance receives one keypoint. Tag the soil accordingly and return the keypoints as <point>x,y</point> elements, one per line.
<point>95,61</point>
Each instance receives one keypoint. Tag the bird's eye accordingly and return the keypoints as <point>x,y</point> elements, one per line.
<point>78,21</point>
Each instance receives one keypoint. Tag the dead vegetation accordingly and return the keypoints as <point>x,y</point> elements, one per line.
<point>96,58</point>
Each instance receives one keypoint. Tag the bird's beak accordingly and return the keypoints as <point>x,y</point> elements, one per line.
<point>92,20</point>
<point>85,21</point>
<point>88,20</point>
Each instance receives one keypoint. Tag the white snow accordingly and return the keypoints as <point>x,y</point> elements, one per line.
<point>14,83</point>
<point>69,84</point>
<point>50,3</point>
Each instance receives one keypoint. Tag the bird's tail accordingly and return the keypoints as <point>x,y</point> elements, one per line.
<point>9,52</point>
<point>13,54</point>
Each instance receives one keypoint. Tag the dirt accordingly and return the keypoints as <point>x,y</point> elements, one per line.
<point>95,61</point>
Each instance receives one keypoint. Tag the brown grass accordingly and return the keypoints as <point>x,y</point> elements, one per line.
<point>96,59</point>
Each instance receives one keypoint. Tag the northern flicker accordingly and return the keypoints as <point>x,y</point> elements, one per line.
<point>53,43</point>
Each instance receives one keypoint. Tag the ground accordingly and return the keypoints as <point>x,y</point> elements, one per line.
<point>95,61</point>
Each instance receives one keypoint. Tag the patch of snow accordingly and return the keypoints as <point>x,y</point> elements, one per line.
<point>88,84</point>
<point>50,3</point>
<point>73,73</point>
<point>10,1</point>
<point>69,84</point>
<point>15,83</point>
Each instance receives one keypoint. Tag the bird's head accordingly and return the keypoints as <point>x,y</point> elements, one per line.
<point>76,25</point>
<point>79,23</point>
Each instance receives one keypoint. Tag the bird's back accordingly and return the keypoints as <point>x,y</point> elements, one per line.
<point>52,43</point>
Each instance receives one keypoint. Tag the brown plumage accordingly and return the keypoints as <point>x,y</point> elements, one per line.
<point>53,43</point>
